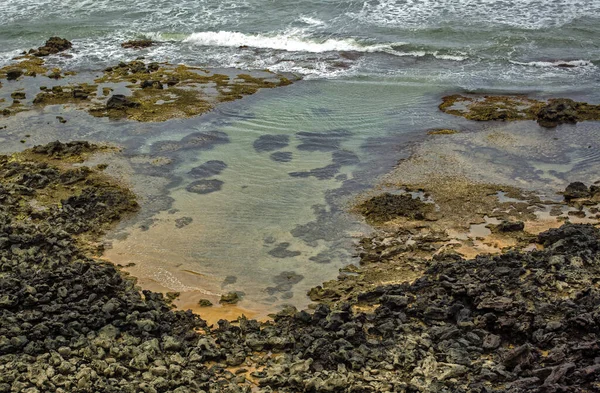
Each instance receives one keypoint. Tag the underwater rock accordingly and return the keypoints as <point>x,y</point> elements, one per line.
<point>281,156</point>
<point>205,186</point>
<point>325,173</point>
<point>322,141</point>
<point>183,221</point>
<point>204,140</point>
<point>267,143</point>
<point>208,169</point>
<point>281,251</point>
<point>345,158</point>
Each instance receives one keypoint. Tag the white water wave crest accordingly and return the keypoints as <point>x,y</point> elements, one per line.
<point>296,41</point>
<point>556,63</point>
<point>292,41</point>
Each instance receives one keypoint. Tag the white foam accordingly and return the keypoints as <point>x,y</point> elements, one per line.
<point>311,21</point>
<point>556,63</point>
<point>291,41</point>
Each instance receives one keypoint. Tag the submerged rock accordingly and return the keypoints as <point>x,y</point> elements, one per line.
<point>208,169</point>
<point>281,251</point>
<point>205,186</point>
<point>281,156</point>
<point>267,143</point>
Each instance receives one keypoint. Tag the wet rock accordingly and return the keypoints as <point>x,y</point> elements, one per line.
<point>13,74</point>
<point>208,169</point>
<point>120,102</point>
<point>576,190</point>
<point>386,207</point>
<point>556,112</point>
<point>230,298</point>
<point>205,186</point>
<point>267,143</point>
<point>510,226</point>
<point>150,84</point>
<point>54,45</point>
<point>204,303</point>
<point>18,95</point>
<point>137,44</point>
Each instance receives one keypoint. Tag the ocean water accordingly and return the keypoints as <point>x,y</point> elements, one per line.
<point>292,159</point>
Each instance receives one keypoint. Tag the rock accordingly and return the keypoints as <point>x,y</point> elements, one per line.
<point>230,298</point>
<point>137,44</point>
<point>204,303</point>
<point>52,46</point>
<point>510,226</point>
<point>208,169</point>
<point>205,186</point>
<point>150,84</point>
<point>267,143</point>
<point>386,207</point>
<point>18,95</point>
<point>120,102</point>
<point>13,74</point>
<point>556,112</point>
<point>491,341</point>
<point>576,190</point>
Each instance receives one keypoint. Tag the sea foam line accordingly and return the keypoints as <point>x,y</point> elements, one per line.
<point>556,63</point>
<point>291,42</point>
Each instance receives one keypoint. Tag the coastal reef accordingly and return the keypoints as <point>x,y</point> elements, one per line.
<point>550,113</point>
<point>137,90</point>
<point>517,322</point>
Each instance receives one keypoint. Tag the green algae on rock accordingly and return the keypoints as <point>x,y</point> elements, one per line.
<point>550,113</point>
<point>48,187</point>
<point>386,207</point>
<point>164,91</point>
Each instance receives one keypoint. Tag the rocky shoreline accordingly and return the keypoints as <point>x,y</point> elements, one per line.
<point>417,315</point>
<point>517,322</point>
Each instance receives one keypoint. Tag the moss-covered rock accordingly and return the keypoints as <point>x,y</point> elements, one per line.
<point>548,114</point>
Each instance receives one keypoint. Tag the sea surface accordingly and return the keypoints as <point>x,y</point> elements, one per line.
<point>373,73</point>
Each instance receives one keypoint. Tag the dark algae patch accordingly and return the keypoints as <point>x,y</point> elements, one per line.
<point>550,113</point>
<point>387,207</point>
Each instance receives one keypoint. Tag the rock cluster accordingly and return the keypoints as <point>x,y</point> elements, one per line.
<point>52,46</point>
<point>518,322</point>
